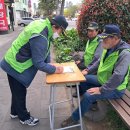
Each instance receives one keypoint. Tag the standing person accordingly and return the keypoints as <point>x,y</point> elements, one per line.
<point>112,73</point>
<point>93,49</point>
<point>29,53</point>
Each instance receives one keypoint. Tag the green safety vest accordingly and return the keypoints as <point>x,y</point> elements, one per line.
<point>90,51</point>
<point>34,27</point>
<point>106,68</point>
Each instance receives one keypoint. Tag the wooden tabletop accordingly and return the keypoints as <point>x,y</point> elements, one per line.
<point>75,76</point>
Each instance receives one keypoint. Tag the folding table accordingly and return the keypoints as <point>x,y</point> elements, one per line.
<point>56,80</point>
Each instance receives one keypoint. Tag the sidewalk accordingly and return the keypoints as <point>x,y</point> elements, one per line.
<point>37,104</point>
<point>37,99</point>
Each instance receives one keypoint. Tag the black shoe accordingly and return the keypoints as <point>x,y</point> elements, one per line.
<point>75,95</point>
<point>31,121</point>
<point>68,122</point>
<point>94,107</point>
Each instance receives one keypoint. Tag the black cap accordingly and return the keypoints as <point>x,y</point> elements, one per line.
<point>110,30</point>
<point>61,21</point>
<point>93,26</point>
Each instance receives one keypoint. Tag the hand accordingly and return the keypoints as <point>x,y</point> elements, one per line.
<point>93,91</point>
<point>77,62</point>
<point>85,71</point>
<point>59,69</point>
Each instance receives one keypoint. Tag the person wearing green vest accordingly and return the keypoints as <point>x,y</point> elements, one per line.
<point>93,48</point>
<point>29,53</point>
<point>112,73</point>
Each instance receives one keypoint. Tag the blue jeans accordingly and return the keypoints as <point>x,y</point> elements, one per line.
<point>88,99</point>
<point>91,81</point>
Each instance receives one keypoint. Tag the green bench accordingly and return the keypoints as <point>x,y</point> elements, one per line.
<point>122,107</point>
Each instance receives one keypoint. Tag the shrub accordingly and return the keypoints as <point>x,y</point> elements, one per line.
<point>105,12</point>
<point>65,46</point>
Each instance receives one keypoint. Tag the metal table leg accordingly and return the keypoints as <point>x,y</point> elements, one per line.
<point>72,101</point>
<point>81,124</point>
<point>52,107</point>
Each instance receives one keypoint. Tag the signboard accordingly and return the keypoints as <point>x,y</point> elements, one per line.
<point>3,20</point>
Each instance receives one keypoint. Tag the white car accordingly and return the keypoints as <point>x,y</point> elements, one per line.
<point>25,21</point>
<point>74,19</point>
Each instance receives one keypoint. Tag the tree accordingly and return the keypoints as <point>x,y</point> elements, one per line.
<point>71,10</point>
<point>66,12</point>
<point>62,7</point>
<point>47,6</point>
<point>105,12</point>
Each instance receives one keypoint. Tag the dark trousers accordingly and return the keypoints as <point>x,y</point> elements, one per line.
<point>18,104</point>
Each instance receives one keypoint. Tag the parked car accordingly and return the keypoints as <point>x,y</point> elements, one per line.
<point>25,21</point>
<point>74,19</point>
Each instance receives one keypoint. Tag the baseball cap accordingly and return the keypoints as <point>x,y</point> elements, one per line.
<point>93,26</point>
<point>61,21</point>
<point>110,30</point>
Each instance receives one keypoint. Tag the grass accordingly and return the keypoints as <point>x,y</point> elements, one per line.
<point>115,121</point>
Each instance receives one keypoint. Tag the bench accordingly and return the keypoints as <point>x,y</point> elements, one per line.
<point>122,107</point>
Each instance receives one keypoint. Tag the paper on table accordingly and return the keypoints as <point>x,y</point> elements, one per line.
<point>68,69</point>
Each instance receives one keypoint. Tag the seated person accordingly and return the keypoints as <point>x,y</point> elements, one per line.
<point>112,73</point>
<point>93,49</point>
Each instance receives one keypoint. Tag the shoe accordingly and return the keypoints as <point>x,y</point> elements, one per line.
<point>13,116</point>
<point>16,116</point>
<point>68,122</point>
<point>75,95</point>
<point>94,107</point>
<point>31,122</point>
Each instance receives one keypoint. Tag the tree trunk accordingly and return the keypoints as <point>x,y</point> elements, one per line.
<point>57,10</point>
<point>62,7</point>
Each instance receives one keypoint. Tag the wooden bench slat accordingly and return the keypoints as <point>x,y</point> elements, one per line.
<point>127,93</point>
<point>125,117</point>
<point>126,99</point>
<point>123,105</point>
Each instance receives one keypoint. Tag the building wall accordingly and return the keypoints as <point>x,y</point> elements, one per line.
<point>21,9</point>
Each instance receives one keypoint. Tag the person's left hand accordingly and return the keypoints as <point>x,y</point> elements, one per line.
<point>85,71</point>
<point>93,91</point>
<point>77,62</point>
